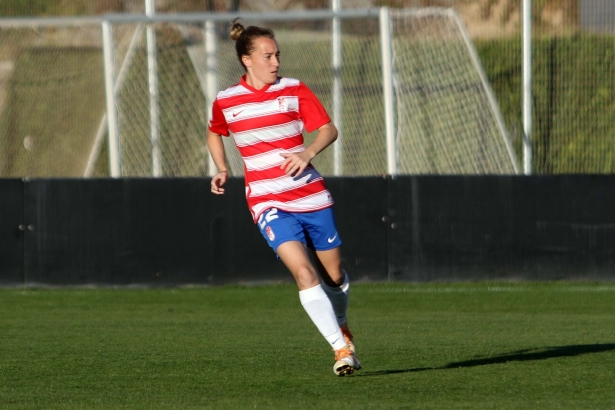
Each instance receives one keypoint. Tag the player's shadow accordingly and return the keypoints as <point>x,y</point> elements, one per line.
<point>517,356</point>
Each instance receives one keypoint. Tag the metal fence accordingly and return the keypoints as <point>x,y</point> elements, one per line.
<point>453,104</point>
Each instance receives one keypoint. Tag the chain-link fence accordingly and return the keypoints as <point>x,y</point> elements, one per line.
<point>53,108</point>
<point>573,78</point>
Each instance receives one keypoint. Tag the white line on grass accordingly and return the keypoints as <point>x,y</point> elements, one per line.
<point>422,289</point>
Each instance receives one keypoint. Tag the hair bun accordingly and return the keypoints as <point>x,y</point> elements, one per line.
<point>236,29</point>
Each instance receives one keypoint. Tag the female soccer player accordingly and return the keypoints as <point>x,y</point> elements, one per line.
<point>286,195</point>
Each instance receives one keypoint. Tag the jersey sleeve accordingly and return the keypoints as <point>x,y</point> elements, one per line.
<point>217,122</point>
<point>311,110</point>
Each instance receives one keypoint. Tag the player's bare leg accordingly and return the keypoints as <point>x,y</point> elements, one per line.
<point>317,304</point>
<point>330,264</point>
<point>296,258</point>
<point>313,297</point>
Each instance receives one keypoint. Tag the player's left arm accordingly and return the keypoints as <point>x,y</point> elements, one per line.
<point>314,116</point>
<point>296,163</point>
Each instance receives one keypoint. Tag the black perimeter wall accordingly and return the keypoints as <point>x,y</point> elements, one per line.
<point>411,228</point>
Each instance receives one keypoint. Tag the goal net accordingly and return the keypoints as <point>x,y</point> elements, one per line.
<point>448,121</point>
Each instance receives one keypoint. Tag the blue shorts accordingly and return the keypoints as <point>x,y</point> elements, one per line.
<point>317,230</point>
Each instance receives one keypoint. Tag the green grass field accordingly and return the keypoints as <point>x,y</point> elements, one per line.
<point>434,346</point>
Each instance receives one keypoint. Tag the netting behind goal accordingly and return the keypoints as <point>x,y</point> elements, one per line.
<point>446,119</point>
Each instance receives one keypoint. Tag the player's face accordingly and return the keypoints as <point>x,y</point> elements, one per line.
<point>263,63</point>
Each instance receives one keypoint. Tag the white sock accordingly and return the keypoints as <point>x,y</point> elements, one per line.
<point>339,299</point>
<point>319,309</point>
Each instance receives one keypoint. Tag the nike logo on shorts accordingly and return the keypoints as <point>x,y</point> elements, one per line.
<point>330,240</point>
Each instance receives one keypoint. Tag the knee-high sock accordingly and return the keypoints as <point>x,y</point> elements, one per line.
<point>319,309</point>
<point>339,299</point>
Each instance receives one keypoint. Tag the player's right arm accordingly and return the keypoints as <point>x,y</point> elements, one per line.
<point>216,149</point>
<point>217,129</point>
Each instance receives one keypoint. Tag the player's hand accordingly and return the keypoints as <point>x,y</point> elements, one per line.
<point>217,181</point>
<point>295,163</point>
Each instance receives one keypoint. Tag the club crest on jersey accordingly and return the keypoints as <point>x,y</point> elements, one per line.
<point>270,233</point>
<point>282,104</point>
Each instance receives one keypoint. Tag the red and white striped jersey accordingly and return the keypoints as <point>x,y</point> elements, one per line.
<point>265,123</point>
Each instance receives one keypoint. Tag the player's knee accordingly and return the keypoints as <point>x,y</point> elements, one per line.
<point>306,271</point>
<point>306,276</point>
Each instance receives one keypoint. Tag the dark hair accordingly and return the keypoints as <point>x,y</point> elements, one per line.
<point>244,38</point>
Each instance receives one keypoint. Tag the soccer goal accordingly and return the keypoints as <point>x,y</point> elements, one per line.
<point>448,120</point>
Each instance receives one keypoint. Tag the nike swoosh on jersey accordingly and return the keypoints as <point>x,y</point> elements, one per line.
<point>237,113</point>
<point>330,240</point>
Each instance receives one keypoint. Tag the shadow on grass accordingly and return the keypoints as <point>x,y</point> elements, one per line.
<point>517,356</point>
